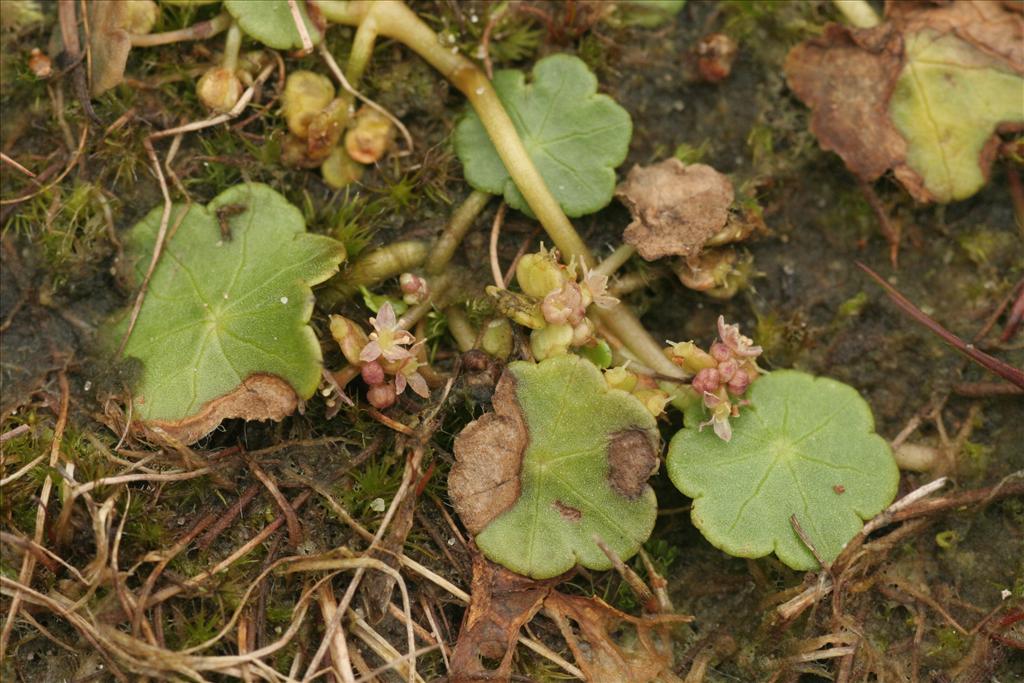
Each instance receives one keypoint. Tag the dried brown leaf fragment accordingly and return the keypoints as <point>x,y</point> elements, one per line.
<point>676,208</point>
<point>484,481</point>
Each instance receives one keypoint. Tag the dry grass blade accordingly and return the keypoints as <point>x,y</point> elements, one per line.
<point>28,562</point>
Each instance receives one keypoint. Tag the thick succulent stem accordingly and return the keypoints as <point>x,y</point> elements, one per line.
<point>458,225</point>
<point>395,20</point>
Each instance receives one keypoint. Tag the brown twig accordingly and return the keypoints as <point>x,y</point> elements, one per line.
<point>294,528</point>
<point>990,363</point>
<point>890,231</point>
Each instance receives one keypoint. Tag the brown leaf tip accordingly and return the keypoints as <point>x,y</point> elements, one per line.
<point>632,459</point>
<point>258,397</point>
<point>484,481</point>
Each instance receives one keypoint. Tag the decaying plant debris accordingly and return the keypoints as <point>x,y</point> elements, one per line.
<point>325,544</point>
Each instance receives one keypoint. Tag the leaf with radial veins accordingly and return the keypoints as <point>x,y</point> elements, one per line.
<point>563,460</point>
<point>805,446</point>
<point>575,136</point>
<point>222,331</point>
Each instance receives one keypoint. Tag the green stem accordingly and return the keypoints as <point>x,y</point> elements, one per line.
<point>362,51</point>
<point>232,46</point>
<point>458,225</point>
<point>200,31</point>
<point>615,260</point>
<point>460,328</point>
<point>395,20</point>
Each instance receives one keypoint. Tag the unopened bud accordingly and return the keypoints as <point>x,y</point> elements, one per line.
<point>414,288</point>
<point>305,95</point>
<point>372,373</point>
<point>620,378</point>
<point>39,64</point>
<point>339,170</point>
<point>219,89</point>
<point>582,332</point>
<point>367,141</point>
<point>706,381</point>
<point>382,396</point>
<point>539,274</point>
<point>720,352</point>
<point>351,338</point>
<point>497,338</point>
<point>727,369</point>
<point>553,340</point>
<point>739,383</point>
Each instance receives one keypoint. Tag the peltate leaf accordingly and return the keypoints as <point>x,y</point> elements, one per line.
<point>271,22</point>
<point>575,136</point>
<point>561,461</point>
<point>222,331</point>
<point>805,446</point>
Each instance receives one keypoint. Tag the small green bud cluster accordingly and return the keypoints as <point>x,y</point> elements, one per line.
<point>318,119</point>
<point>553,303</point>
<point>643,387</point>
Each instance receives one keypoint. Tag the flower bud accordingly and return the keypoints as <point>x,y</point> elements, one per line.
<point>539,274</point>
<point>716,53</point>
<point>219,89</point>
<point>139,16</point>
<point>350,337</point>
<point>620,378</point>
<point>305,95</point>
<point>39,64</point>
<point>414,288</point>
<point>654,400</point>
<point>720,352</point>
<point>690,358</point>
<point>339,170</point>
<point>372,373</point>
<point>553,340</point>
<point>727,369</point>
<point>497,338</point>
<point>707,381</point>
<point>582,332</point>
<point>382,396</point>
<point>367,141</point>
<point>324,129</point>
<point>739,383</point>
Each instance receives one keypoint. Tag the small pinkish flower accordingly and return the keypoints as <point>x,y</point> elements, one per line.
<point>387,339</point>
<point>721,411</point>
<point>408,375</point>
<point>595,285</point>
<point>727,370</point>
<point>741,346</point>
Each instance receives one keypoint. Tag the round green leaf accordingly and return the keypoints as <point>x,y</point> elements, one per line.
<point>805,446</point>
<point>563,461</point>
<point>228,302</point>
<point>271,22</point>
<point>575,136</point>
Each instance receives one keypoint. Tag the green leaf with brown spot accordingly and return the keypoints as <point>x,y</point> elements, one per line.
<point>563,460</point>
